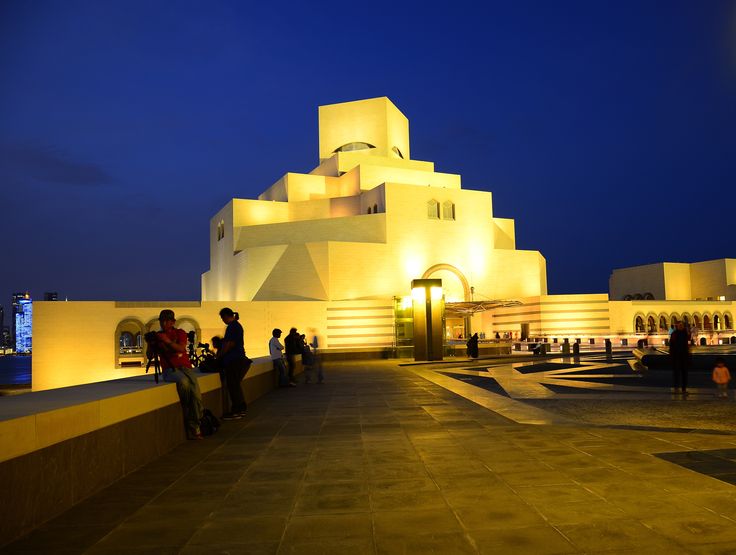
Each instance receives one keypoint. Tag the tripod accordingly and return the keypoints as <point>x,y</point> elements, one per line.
<point>156,365</point>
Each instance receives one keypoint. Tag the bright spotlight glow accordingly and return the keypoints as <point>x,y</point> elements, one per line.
<point>435,293</point>
<point>419,294</point>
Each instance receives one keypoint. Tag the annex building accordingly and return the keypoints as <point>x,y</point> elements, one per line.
<point>336,249</point>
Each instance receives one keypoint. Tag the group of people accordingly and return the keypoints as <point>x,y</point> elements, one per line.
<point>170,349</point>
<point>680,340</point>
<point>294,344</point>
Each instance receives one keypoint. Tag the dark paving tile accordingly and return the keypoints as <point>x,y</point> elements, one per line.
<point>335,503</point>
<point>537,540</point>
<point>397,500</point>
<point>446,543</point>
<point>415,522</point>
<point>157,534</point>
<point>304,529</point>
<point>624,535</point>
<point>264,548</point>
<point>243,530</point>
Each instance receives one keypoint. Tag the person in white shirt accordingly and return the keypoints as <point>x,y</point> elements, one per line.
<point>275,348</point>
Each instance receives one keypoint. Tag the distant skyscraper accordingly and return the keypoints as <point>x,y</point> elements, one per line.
<point>51,296</point>
<point>22,318</point>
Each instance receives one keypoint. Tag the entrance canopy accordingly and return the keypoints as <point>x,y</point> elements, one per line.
<point>468,308</point>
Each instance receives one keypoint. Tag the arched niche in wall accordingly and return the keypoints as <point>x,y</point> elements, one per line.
<point>128,341</point>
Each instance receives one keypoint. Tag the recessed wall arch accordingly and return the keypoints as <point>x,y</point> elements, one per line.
<point>133,328</point>
<point>639,323</point>
<point>717,321</point>
<point>450,268</point>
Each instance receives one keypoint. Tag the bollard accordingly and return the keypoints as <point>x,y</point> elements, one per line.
<point>576,349</point>
<point>609,347</point>
<point>566,347</point>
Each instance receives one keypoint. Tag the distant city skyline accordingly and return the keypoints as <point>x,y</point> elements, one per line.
<point>604,129</point>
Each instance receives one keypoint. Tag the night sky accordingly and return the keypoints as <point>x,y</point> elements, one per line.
<point>606,129</point>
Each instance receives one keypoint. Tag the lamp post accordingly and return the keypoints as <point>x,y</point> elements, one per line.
<point>427,305</point>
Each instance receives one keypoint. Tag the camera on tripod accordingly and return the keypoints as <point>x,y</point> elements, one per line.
<point>152,353</point>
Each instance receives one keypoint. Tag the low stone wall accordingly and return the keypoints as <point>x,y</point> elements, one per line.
<point>58,447</point>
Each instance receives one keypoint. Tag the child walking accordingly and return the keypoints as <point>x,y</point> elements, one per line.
<point>721,377</point>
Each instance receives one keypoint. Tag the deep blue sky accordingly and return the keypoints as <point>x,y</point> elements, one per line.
<point>606,129</point>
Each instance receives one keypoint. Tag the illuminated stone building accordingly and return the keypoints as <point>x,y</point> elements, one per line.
<point>336,249</point>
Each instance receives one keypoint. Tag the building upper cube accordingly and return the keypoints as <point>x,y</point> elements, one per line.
<point>375,127</point>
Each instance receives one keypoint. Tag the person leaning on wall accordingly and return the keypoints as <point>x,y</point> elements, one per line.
<point>170,345</point>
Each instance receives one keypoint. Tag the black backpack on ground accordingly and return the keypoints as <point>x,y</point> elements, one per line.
<point>209,423</point>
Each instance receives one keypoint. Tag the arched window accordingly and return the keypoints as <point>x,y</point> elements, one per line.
<point>696,320</point>
<point>707,325</point>
<point>673,321</point>
<point>716,322</point>
<point>221,230</point>
<point>648,297</point>
<point>349,147</point>
<point>686,320</point>
<point>628,298</point>
<point>662,323</point>
<point>638,297</point>
<point>369,209</point>
<point>433,209</point>
<point>448,210</point>
<point>727,321</point>
<point>639,324</point>
<point>375,209</point>
<point>651,325</point>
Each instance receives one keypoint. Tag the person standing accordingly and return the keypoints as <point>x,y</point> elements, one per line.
<point>234,364</point>
<point>171,347</point>
<point>316,359</point>
<point>721,377</point>
<point>275,349</point>
<point>293,343</point>
<point>679,358</point>
<point>472,346</point>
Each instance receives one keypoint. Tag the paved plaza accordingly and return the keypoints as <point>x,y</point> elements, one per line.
<point>493,456</point>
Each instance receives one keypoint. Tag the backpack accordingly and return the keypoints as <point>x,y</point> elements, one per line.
<point>209,423</point>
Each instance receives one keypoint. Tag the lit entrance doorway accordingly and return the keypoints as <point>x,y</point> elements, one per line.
<point>456,289</point>
<point>454,328</point>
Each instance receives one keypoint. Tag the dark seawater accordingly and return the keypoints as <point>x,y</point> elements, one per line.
<point>15,370</point>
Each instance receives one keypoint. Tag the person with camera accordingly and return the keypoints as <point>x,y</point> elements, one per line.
<point>170,345</point>
<point>234,363</point>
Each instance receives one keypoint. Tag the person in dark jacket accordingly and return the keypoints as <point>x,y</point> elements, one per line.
<point>293,347</point>
<point>680,357</point>
<point>234,363</point>
<point>472,345</point>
